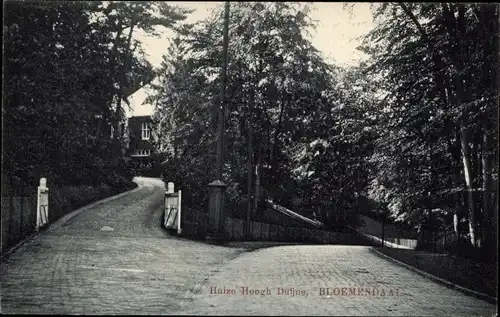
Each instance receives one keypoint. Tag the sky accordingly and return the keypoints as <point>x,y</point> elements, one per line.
<point>336,36</point>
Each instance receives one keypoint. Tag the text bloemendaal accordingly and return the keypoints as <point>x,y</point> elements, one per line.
<point>292,291</point>
<point>254,291</point>
<point>358,291</point>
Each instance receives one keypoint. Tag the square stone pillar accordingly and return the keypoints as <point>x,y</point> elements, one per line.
<point>216,210</point>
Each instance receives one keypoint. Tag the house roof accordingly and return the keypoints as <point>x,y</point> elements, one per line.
<point>138,85</point>
<point>138,104</point>
<point>140,91</point>
<point>140,117</point>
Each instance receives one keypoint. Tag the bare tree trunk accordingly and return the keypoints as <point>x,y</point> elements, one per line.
<point>468,175</point>
<point>257,181</point>
<point>488,154</point>
<point>464,141</point>
<point>112,66</point>
<point>487,165</point>
<point>494,185</point>
<point>250,158</point>
<point>447,95</point>
<point>476,168</point>
<point>122,82</point>
<point>456,219</point>
<point>456,29</point>
<point>274,145</point>
<point>454,149</point>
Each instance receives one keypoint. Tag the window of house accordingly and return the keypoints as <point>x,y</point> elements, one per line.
<point>143,152</point>
<point>146,131</point>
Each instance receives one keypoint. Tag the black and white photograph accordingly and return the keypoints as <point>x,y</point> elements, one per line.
<point>250,158</point>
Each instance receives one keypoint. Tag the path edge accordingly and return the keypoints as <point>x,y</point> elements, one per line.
<point>440,280</point>
<point>61,221</point>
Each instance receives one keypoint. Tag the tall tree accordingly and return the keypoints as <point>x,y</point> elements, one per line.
<point>441,100</point>
<point>60,86</point>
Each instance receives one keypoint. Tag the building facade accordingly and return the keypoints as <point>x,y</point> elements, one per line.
<point>140,141</point>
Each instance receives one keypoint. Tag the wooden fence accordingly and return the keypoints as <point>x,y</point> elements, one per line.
<point>18,220</point>
<point>195,225</point>
<point>407,243</point>
<point>440,240</point>
<point>377,229</point>
<point>391,235</point>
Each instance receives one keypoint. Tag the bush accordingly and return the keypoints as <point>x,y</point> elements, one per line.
<point>464,249</point>
<point>104,191</point>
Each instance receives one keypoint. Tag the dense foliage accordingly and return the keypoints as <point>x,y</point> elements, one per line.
<point>67,68</point>
<point>409,135</point>
<point>283,104</point>
<point>436,157</point>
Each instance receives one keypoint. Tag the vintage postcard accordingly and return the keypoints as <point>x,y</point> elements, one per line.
<point>250,158</point>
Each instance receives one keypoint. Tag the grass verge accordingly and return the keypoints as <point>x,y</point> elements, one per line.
<point>470,274</point>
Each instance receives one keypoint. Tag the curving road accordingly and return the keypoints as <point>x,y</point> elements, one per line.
<point>330,281</point>
<point>114,258</point>
<point>82,267</point>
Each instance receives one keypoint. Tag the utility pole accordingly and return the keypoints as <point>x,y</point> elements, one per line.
<point>218,187</point>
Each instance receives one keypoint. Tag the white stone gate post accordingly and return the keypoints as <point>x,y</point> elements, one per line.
<point>172,216</point>
<point>42,208</point>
